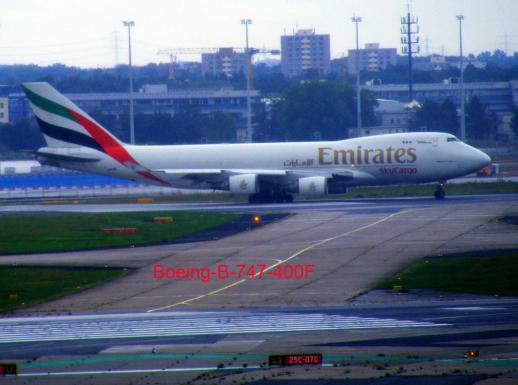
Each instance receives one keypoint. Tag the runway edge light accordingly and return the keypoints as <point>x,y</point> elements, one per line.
<point>256,218</point>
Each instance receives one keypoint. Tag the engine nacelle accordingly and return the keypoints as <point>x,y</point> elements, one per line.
<point>313,185</point>
<point>243,184</point>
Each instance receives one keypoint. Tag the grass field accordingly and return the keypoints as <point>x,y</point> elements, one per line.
<point>30,233</point>
<point>428,190</point>
<point>25,286</point>
<point>481,274</point>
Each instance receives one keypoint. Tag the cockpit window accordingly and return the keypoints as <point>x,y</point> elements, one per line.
<point>452,139</point>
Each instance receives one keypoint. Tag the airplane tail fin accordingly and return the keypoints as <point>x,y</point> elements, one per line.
<point>63,124</point>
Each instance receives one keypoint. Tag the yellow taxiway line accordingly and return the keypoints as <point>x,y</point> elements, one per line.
<point>296,254</point>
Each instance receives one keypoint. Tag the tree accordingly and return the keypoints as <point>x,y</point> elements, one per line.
<point>514,121</point>
<point>448,119</point>
<point>368,102</point>
<point>314,109</point>
<point>480,125</point>
<point>426,116</point>
<point>187,125</point>
<point>441,117</point>
<point>21,136</point>
<point>219,127</point>
<point>475,122</point>
<point>154,128</point>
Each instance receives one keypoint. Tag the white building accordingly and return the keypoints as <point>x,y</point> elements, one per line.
<point>372,58</point>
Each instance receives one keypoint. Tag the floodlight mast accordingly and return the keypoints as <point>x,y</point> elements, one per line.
<point>357,20</point>
<point>460,18</point>
<point>129,24</point>
<point>249,129</point>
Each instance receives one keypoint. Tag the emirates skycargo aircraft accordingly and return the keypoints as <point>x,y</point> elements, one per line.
<point>266,172</point>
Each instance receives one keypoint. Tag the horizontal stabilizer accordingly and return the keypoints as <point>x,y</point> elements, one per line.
<point>65,155</point>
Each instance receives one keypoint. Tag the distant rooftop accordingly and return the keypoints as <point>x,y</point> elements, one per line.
<point>305,32</point>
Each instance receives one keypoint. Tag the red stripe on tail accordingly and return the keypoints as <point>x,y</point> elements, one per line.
<point>111,146</point>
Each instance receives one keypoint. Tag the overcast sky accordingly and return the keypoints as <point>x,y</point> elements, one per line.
<point>82,32</point>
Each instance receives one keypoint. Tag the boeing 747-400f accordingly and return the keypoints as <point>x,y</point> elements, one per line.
<point>266,172</point>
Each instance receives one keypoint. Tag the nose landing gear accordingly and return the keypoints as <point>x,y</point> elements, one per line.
<point>440,193</point>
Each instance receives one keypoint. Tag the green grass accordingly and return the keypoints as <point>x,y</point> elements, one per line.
<point>31,233</point>
<point>481,274</point>
<point>428,190</point>
<point>26,286</point>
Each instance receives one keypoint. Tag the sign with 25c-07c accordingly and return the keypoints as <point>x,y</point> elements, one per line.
<point>295,359</point>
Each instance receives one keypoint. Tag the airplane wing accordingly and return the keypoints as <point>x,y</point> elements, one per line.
<point>211,171</point>
<point>212,177</point>
<point>215,176</point>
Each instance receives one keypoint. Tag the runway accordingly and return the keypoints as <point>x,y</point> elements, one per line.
<point>105,330</point>
<point>138,325</point>
<point>352,245</point>
<point>371,204</point>
<point>189,341</point>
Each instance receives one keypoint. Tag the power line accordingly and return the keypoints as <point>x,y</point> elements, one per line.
<point>19,46</point>
<point>115,47</point>
<point>507,40</point>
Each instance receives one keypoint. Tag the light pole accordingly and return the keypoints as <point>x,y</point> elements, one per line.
<point>249,133</point>
<point>462,98</point>
<point>129,24</point>
<point>357,20</point>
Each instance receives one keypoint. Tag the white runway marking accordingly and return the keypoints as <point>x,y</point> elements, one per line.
<point>170,325</point>
<point>474,308</point>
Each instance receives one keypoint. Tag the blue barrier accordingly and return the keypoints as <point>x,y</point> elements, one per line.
<point>59,180</point>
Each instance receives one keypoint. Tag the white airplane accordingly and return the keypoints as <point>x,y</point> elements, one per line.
<point>266,172</point>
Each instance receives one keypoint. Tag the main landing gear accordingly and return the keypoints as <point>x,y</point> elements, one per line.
<point>270,197</point>
<point>440,193</point>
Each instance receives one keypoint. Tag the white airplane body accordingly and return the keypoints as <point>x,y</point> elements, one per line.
<point>264,171</point>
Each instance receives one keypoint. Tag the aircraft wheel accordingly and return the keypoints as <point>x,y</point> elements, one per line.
<point>253,198</point>
<point>439,194</point>
<point>260,198</point>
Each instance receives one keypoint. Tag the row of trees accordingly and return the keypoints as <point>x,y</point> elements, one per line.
<point>15,138</point>
<point>312,110</point>
<point>315,110</point>
<point>305,111</point>
<point>188,125</point>
<point>481,124</point>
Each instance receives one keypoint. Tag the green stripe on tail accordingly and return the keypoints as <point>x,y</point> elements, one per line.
<point>48,105</point>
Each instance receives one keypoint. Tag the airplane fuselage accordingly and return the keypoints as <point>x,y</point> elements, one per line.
<point>375,160</point>
<point>263,171</point>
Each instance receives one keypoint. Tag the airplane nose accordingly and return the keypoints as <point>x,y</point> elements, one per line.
<point>472,159</point>
<point>482,159</point>
<point>476,159</point>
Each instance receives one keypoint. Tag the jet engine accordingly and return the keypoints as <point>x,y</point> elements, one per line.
<point>313,185</point>
<point>243,184</point>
